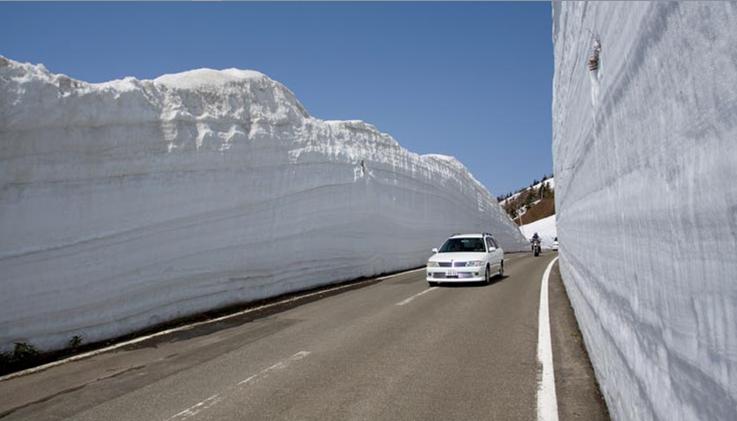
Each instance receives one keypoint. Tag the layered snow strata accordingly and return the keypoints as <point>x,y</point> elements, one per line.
<point>132,202</point>
<point>645,156</point>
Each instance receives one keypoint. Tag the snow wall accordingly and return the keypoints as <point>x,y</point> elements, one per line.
<point>132,202</point>
<point>645,159</point>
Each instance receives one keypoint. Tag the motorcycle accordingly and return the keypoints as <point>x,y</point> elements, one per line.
<point>536,247</point>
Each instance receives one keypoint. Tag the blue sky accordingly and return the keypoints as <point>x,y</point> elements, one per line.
<point>471,80</point>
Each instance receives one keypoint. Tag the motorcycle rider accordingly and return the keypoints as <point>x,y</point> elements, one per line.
<point>535,238</point>
<point>535,241</point>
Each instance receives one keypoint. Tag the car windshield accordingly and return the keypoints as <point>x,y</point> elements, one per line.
<point>460,245</point>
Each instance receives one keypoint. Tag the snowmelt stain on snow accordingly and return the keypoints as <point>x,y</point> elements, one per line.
<point>132,202</point>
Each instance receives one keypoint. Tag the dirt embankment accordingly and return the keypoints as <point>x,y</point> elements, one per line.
<point>531,204</point>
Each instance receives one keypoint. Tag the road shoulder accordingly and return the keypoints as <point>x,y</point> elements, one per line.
<point>576,386</point>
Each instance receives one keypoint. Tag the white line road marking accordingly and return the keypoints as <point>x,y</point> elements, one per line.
<point>408,300</point>
<point>278,366</point>
<point>187,327</point>
<point>197,408</point>
<point>547,403</point>
<point>219,397</point>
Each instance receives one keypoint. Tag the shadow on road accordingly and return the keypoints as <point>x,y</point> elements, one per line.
<point>494,280</point>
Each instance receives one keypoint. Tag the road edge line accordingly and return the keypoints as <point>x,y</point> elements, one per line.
<point>96,352</point>
<point>547,402</point>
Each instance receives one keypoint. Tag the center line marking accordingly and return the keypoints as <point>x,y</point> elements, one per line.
<point>197,408</point>
<point>278,366</point>
<point>219,397</point>
<point>408,300</point>
<point>547,403</point>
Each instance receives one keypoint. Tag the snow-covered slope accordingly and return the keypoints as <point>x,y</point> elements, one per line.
<point>550,182</point>
<point>531,203</point>
<point>128,203</point>
<point>645,155</point>
<point>545,229</point>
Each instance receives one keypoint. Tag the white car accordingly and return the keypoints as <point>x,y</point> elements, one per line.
<point>555,244</point>
<point>466,258</point>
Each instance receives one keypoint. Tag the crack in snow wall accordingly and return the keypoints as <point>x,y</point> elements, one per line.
<point>645,156</point>
<point>133,202</point>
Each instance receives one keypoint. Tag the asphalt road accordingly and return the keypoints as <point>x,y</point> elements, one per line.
<point>392,350</point>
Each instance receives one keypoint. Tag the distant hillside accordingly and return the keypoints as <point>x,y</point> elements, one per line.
<point>530,203</point>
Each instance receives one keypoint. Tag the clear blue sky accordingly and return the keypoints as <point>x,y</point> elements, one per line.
<point>471,80</point>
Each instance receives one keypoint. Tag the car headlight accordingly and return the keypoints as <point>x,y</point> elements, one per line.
<point>432,264</point>
<point>475,263</point>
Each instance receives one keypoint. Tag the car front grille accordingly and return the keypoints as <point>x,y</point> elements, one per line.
<point>454,264</point>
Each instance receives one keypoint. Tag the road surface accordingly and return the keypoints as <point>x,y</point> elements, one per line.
<point>390,350</point>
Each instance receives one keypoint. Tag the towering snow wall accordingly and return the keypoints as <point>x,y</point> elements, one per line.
<point>645,156</point>
<point>132,202</point>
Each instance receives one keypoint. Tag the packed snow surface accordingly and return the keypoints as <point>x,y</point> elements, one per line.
<point>545,229</point>
<point>645,158</point>
<point>128,203</point>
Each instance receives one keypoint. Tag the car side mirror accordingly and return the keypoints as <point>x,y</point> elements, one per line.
<point>492,249</point>
<point>435,250</point>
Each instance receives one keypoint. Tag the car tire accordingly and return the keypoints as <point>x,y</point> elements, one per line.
<point>501,269</point>
<point>487,276</point>
<point>432,284</point>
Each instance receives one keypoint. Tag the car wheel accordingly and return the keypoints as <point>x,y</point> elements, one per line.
<point>487,276</point>
<point>432,284</point>
<point>501,269</point>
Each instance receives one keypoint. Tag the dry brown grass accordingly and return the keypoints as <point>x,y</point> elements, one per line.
<point>545,208</point>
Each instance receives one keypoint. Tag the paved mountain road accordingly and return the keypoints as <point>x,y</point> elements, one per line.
<point>392,350</point>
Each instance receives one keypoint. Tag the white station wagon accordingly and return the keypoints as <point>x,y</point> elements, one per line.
<point>466,258</point>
